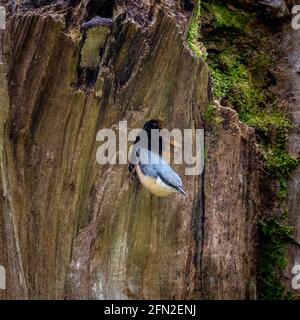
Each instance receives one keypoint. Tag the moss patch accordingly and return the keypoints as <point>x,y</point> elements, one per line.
<point>211,117</point>
<point>194,32</point>
<point>279,162</point>
<point>225,18</point>
<point>274,235</point>
<point>234,83</point>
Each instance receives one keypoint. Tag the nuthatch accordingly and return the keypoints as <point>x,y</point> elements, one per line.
<point>156,175</point>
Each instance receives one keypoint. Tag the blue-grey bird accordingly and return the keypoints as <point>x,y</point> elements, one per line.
<point>156,175</point>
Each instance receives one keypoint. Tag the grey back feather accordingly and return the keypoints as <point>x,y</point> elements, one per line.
<point>153,165</point>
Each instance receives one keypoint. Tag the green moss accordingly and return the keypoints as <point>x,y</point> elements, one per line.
<point>228,58</point>
<point>226,18</point>
<point>209,113</point>
<point>283,190</point>
<point>259,66</point>
<point>194,32</point>
<point>235,82</point>
<point>264,121</point>
<point>210,116</point>
<point>279,162</point>
<point>261,62</point>
<point>274,234</point>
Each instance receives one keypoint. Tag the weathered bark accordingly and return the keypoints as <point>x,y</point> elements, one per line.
<point>290,83</point>
<point>74,229</point>
<point>232,202</point>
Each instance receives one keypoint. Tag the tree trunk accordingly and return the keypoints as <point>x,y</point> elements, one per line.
<point>71,228</point>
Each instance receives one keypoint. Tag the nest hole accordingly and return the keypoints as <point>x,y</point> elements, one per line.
<point>104,8</point>
<point>188,5</point>
<point>153,124</point>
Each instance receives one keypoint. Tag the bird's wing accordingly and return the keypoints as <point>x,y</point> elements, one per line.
<point>170,177</point>
<point>150,162</point>
<point>153,165</point>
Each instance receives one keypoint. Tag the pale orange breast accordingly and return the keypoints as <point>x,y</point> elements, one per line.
<point>156,187</point>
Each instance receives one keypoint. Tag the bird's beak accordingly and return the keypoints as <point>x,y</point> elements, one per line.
<point>182,191</point>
